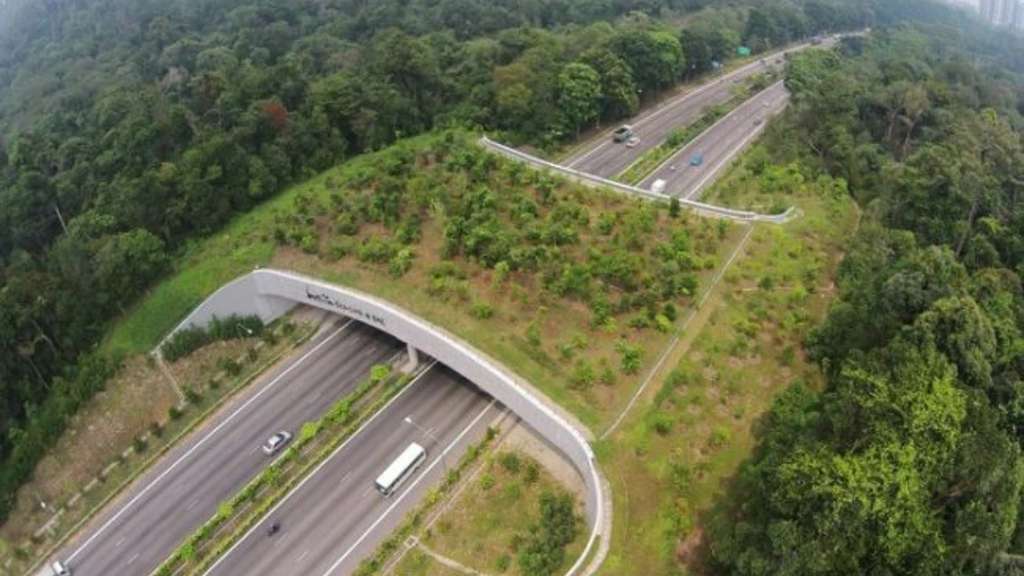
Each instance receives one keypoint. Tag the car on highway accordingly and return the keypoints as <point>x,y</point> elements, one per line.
<point>58,568</point>
<point>632,142</point>
<point>697,159</point>
<point>276,442</point>
<point>623,133</point>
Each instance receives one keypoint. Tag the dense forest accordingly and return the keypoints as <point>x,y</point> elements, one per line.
<point>129,127</point>
<point>909,462</point>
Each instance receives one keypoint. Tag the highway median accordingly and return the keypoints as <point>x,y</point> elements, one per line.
<point>317,440</point>
<point>682,137</point>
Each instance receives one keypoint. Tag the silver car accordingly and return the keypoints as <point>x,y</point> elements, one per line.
<point>275,442</point>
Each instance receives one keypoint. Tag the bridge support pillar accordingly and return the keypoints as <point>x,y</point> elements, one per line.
<point>413,359</point>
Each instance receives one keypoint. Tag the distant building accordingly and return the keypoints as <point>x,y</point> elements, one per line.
<point>1008,13</point>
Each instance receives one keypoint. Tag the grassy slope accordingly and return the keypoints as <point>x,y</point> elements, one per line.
<point>248,242</point>
<point>747,351</point>
<point>486,521</point>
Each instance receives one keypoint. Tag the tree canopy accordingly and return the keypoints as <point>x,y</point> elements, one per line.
<point>909,461</point>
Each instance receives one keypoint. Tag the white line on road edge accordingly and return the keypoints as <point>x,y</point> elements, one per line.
<point>409,488</point>
<point>155,481</point>
<point>309,476</point>
<point>678,335</point>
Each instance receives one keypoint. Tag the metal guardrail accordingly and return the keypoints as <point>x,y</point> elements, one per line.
<point>572,173</point>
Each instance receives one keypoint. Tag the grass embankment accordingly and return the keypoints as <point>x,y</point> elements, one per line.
<point>573,289</point>
<point>681,137</point>
<point>674,457</point>
<point>127,427</point>
<point>487,524</point>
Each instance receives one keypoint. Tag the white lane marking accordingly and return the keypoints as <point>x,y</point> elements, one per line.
<point>155,481</point>
<point>119,542</point>
<point>751,102</point>
<point>724,161</point>
<point>317,469</point>
<point>410,488</point>
<point>132,559</point>
<point>192,504</point>
<point>593,151</point>
<point>303,555</point>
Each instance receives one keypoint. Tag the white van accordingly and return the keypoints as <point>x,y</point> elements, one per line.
<point>659,186</point>
<point>406,463</point>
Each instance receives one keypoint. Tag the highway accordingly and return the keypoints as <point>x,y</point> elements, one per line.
<point>184,488</point>
<point>718,145</point>
<point>608,159</point>
<point>336,517</point>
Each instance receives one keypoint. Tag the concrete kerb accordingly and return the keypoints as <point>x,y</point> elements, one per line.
<point>592,180</point>
<point>271,293</point>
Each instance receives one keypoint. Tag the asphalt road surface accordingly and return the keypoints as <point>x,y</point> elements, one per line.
<point>336,517</point>
<point>185,487</point>
<point>718,145</point>
<point>609,159</point>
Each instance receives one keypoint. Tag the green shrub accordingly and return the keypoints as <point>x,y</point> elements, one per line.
<point>379,372</point>
<point>531,472</point>
<point>192,396</point>
<point>510,462</point>
<point>630,357</point>
<point>230,366</point>
<point>533,334</point>
<point>174,413</point>
<point>583,375</point>
<point>482,310</point>
<point>401,262</point>
<point>310,244</point>
<point>186,341</point>
<point>139,444</point>
<point>487,481</point>
<point>543,551</point>
<point>719,437</point>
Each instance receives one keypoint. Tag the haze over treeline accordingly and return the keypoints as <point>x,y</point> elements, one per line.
<point>130,128</point>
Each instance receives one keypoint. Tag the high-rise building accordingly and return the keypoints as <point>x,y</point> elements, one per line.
<point>987,8</point>
<point>1009,13</point>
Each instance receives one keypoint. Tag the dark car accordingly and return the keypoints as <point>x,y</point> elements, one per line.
<point>622,134</point>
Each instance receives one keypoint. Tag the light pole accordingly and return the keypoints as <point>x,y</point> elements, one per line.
<point>431,436</point>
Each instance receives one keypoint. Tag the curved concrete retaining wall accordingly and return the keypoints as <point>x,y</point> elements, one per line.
<point>271,293</point>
